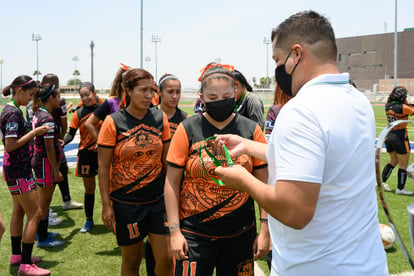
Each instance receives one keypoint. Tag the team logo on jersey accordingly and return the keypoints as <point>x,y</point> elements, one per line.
<point>12,127</point>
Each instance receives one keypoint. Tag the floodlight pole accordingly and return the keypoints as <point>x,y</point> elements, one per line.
<point>37,38</point>
<point>395,48</point>
<point>142,34</point>
<point>156,39</point>
<point>267,41</point>
<point>92,45</point>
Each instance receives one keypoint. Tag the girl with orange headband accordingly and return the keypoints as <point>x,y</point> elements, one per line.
<point>212,226</point>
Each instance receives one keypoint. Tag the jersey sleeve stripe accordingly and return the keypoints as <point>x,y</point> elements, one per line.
<point>260,167</point>
<point>106,146</point>
<point>175,165</point>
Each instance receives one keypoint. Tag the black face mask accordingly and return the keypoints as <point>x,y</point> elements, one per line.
<point>220,110</point>
<point>284,80</point>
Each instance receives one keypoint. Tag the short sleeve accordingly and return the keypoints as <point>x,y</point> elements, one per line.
<point>50,123</point>
<point>259,137</point>
<point>166,133</point>
<point>178,152</point>
<point>74,122</point>
<point>62,107</point>
<point>107,134</point>
<point>11,126</point>
<point>102,110</point>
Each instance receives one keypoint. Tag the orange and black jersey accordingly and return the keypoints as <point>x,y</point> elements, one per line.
<point>176,119</point>
<point>78,122</point>
<point>137,175</point>
<point>398,111</point>
<point>206,208</point>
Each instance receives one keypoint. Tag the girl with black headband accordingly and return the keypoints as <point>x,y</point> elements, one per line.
<point>18,174</point>
<point>46,159</point>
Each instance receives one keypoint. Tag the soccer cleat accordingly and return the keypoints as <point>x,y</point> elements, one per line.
<point>52,213</point>
<point>71,204</point>
<point>54,221</point>
<point>51,235</point>
<point>386,187</point>
<point>87,227</point>
<point>403,192</point>
<point>410,171</point>
<point>17,259</point>
<point>32,270</point>
<point>49,243</point>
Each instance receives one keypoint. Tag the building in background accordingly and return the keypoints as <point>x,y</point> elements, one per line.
<point>370,60</point>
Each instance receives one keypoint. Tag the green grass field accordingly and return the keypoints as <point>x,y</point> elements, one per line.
<point>96,253</point>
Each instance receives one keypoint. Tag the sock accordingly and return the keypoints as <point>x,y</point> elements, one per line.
<point>402,178</point>
<point>42,229</point>
<point>64,185</point>
<point>16,244</point>
<point>27,253</point>
<point>89,204</point>
<point>386,172</point>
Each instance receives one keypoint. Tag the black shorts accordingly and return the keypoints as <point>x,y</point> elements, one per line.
<point>134,222</point>
<point>397,141</point>
<point>87,163</point>
<point>230,256</point>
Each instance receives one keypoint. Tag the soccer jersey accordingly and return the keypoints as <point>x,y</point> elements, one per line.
<point>41,118</point>
<point>137,171</point>
<point>16,164</point>
<point>78,122</point>
<point>59,114</point>
<point>398,111</point>
<point>206,208</point>
<point>271,118</point>
<point>176,119</point>
<point>109,106</point>
<point>252,108</point>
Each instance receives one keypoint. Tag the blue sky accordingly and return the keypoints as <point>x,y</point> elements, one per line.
<point>193,33</point>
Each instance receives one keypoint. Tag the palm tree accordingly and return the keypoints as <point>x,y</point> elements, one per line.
<point>75,74</point>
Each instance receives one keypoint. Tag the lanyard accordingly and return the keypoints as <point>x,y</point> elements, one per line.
<point>21,112</point>
<point>216,162</point>
<point>239,102</point>
<point>45,109</point>
<point>15,104</point>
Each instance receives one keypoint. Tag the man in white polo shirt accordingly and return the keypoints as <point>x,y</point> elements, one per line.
<point>321,199</point>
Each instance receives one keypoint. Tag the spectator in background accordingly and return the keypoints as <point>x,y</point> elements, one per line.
<point>248,103</point>
<point>280,99</point>
<point>397,142</point>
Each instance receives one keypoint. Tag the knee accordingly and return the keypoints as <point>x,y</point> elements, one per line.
<point>131,262</point>
<point>35,215</point>
<point>164,267</point>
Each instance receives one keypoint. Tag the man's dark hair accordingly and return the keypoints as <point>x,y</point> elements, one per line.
<point>307,27</point>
